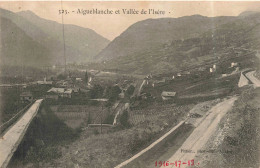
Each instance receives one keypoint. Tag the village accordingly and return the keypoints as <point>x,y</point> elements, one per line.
<point>71,86</point>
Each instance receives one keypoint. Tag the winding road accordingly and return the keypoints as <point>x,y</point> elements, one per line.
<point>253,79</point>
<point>202,133</point>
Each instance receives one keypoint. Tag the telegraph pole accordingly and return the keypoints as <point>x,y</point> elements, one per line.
<point>101,118</point>
<point>63,34</point>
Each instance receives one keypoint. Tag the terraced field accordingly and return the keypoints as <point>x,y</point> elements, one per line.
<point>76,115</point>
<point>164,113</point>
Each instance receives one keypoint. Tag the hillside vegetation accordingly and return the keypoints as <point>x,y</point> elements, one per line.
<point>166,45</point>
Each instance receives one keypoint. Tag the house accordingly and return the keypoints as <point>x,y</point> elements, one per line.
<point>168,95</point>
<point>76,89</point>
<point>26,97</point>
<point>121,95</point>
<point>44,82</point>
<point>68,93</point>
<point>60,92</point>
<point>51,95</point>
<point>213,69</point>
<point>55,91</point>
<point>233,64</point>
<point>158,82</point>
<point>79,79</point>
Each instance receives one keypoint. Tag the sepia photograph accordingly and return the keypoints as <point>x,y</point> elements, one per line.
<point>129,84</point>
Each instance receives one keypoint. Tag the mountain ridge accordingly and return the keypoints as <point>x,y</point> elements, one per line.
<point>82,44</point>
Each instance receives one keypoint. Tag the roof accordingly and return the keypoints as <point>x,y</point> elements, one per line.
<point>56,90</point>
<point>168,94</point>
<point>68,91</point>
<point>44,82</point>
<point>51,93</point>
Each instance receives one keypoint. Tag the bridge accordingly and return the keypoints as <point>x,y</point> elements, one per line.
<point>13,136</point>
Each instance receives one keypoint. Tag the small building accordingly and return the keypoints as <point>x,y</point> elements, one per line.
<point>168,95</point>
<point>233,64</point>
<point>26,97</point>
<point>55,91</point>
<point>224,75</point>
<point>76,89</point>
<point>121,95</point>
<point>60,92</point>
<point>79,79</point>
<point>44,82</point>
<point>158,82</point>
<point>213,69</point>
<point>68,93</point>
<point>52,95</point>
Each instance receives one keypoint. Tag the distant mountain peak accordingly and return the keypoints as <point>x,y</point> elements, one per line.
<point>26,12</point>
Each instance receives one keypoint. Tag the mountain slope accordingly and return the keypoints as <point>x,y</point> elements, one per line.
<point>85,42</point>
<point>81,44</point>
<point>17,48</point>
<point>217,40</point>
<point>149,34</point>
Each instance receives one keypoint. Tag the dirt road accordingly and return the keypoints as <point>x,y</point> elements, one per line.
<point>201,134</point>
<point>253,79</point>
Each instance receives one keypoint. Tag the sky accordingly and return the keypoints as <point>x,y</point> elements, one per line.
<point>112,25</point>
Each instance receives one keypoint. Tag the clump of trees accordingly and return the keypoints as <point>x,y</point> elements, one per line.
<point>112,93</point>
<point>96,91</point>
<point>130,90</point>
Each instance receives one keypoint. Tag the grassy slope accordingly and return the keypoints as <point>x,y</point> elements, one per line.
<point>235,145</point>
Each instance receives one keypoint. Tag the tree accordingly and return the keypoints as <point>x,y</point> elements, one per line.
<point>124,119</point>
<point>130,90</point>
<point>96,91</point>
<point>112,93</point>
<point>86,77</point>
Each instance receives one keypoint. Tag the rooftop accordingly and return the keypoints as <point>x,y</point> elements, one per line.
<point>168,94</point>
<point>56,90</point>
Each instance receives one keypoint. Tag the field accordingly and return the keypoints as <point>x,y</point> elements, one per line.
<point>164,114</point>
<point>192,87</point>
<point>76,116</point>
<point>147,125</point>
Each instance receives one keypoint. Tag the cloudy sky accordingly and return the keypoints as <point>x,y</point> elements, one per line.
<point>110,26</point>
